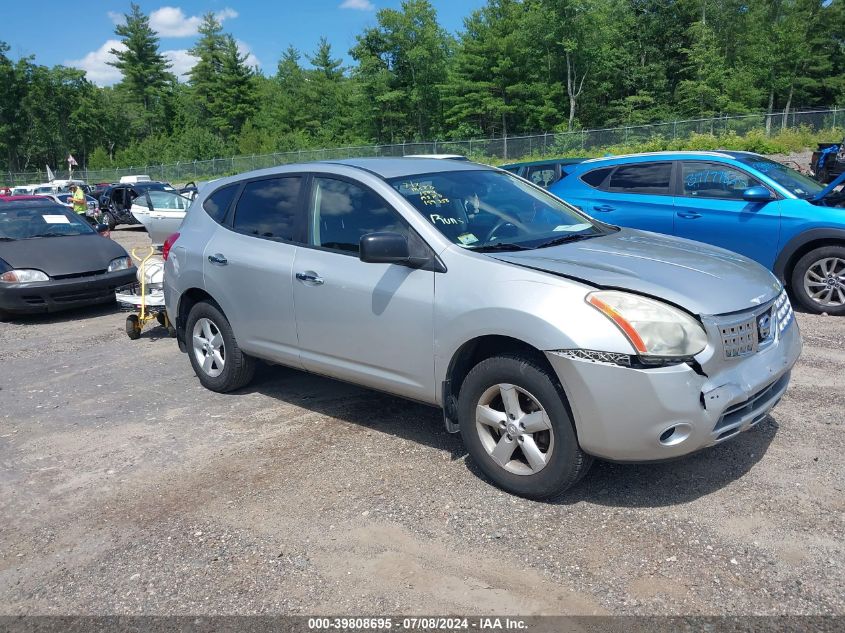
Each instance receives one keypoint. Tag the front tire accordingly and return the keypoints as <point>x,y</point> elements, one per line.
<point>818,280</point>
<point>108,218</point>
<point>517,429</point>
<point>215,355</point>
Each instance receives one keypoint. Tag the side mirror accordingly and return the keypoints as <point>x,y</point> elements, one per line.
<point>103,229</point>
<point>384,248</point>
<point>757,194</point>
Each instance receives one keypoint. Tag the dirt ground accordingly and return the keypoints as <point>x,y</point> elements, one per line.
<point>126,488</point>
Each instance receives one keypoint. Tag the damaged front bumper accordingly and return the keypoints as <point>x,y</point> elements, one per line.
<point>631,414</point>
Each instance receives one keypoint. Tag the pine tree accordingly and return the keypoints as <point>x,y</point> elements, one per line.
<point>204,77</point>
<point>146,81</point>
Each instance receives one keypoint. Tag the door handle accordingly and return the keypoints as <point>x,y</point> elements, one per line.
<point>310,278</point>
<point>603,208</point>
<point>218,259</point>
<point>689,215</point>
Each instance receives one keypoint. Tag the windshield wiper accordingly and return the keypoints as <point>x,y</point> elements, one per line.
<point>3,238</point>
<point>567,239</point>
<point>500,246</point>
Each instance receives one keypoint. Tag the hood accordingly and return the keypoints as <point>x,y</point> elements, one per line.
<point>829,189</point>
<point>700,278</point>
<point>69,255</point>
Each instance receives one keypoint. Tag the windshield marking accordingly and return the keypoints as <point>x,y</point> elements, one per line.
<point>56,219</point>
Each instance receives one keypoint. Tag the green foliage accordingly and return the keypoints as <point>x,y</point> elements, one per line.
<point>516,67</point>
<point>147,82</point>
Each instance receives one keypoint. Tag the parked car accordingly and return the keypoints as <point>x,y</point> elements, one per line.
<point>547,337</point>
<point>161,213</point>
<point>98,189</point>
<point>543,172</point>
<point>116,200</point>
<point>66,200</point>
<point>828,161</point>
<point>741,201</point>
<point>51,259</point>
<point>438,156</point>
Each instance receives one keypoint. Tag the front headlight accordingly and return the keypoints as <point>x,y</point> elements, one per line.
<point>22,276</point>
<point>655,329</point>
<point>120,263</point>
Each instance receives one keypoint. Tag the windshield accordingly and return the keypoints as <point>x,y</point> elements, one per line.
<point>795,182</point>
<point>23,223</point>
<point>490,209</point>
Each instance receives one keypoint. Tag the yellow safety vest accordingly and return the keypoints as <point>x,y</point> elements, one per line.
<point>79,204</point>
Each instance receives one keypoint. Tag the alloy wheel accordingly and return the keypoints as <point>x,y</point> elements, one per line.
<point>209,350</point>
<point>514,429</point>
<point>824,282</point>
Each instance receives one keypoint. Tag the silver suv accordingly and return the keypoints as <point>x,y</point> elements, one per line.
<point>545,336</point>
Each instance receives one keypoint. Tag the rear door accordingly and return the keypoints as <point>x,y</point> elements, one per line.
<point>368,323</point>
<point>709,208</point>
<point>248,264</point>
<point>637,195</point>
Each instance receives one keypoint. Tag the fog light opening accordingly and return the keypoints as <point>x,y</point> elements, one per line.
<point>675,434</point>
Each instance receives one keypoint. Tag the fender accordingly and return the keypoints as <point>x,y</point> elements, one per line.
<point>793,245</point>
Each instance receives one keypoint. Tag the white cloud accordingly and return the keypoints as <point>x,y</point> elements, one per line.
<point>172,22</point>
<point>181,62</point>
<point>95,64</point>
<point>359,5</point>
<point>116,17</point>
<point>244,49</point>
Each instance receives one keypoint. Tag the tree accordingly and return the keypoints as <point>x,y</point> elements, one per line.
<point>204,77</point>
<point>402,65</point>
<point>147,82</point>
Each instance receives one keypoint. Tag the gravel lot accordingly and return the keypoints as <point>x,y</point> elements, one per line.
<point>126,488</point>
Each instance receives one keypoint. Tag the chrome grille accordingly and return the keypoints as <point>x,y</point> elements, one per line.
<point>739,339</point>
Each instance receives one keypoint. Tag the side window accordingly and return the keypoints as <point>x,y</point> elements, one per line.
<point>596,177</point>
<point>342,212</point>
<point>543,175</point>
<point>269,208</point>
<point>218,203</point>
<point>653,178</point>
<point>714,180</point>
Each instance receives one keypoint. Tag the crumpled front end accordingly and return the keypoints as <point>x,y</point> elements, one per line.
<point>630,413</point>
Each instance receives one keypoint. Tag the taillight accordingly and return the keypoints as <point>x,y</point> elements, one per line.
<point>168,244</point>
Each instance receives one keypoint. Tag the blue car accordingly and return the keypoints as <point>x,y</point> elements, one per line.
<point>740,201</point>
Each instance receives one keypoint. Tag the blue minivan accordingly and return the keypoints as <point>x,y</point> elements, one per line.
<point>740,201</point>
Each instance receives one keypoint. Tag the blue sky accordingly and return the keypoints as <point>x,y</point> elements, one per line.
<point>263,28</point>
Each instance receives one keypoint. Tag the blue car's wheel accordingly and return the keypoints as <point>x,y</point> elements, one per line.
<point>818,280</point>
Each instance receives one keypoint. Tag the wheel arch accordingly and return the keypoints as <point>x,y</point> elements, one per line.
<point>187,300</point>
<point>802,244</point>
<point>472,352</point>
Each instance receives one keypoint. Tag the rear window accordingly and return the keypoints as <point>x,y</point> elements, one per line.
<point>653,178</point>
<point>596,177</point>
<point>269,208</point>
<point>218,203</point>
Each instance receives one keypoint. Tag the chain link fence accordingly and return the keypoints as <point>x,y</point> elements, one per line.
<point>504,148</point>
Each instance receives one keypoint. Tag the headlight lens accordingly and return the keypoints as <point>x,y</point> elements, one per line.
<point>654,329</point>
<point>120,263</point>
<point>23,276</point>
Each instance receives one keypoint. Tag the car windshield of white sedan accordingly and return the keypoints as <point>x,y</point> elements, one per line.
<point>42,221</point>
<point>795,182</point>
<point>490,210</point>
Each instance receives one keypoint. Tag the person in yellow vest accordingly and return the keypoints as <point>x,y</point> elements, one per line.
<point>80,205</point>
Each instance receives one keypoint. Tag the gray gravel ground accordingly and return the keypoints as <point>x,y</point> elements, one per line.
<point>126,488</point>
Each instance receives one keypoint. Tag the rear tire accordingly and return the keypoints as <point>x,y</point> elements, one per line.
<point>514,394</point>
<point>818,280</point>
<point>215,355</point>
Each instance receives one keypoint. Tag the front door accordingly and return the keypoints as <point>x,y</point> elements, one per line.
<point>710,208</point>
<point>367,323</point>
